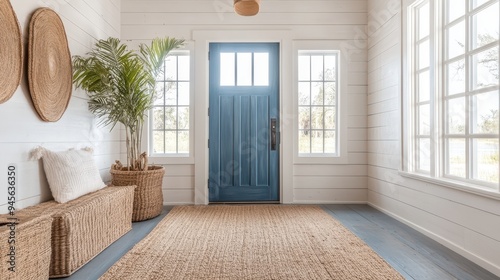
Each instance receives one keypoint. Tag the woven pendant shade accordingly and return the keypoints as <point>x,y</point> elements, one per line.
<point>246,7</point>
<point>11,51</point>
<point>49,65</point>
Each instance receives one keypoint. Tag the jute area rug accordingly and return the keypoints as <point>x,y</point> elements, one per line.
<point>250,242</point>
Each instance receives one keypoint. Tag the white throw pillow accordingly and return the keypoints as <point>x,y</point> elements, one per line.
<point>70,174</point>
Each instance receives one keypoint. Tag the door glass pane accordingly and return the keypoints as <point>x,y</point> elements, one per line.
<point>227,69</point>
<point>456,9</point>
<point>304,68</point>
<point>485,68</point>
<point>456,116</point>
<point>424,86</point>
<point>304,141</point>
<point>317,68</point>
<point>423,54</point>
<point>456,39</point>
<point>486,157</point>
<point>184,67</point>
<point>244,70</point>
<point>486,113</point>
<point>456,157</point>
<point>330,66</point>
<point>423,21</point>
<point>330,142</point>
<point>261,69</point>
<point>424,127</point>
<point>317,141</point>
<point>171,68</point>
<point>485,26</point>
<point>424,154</point>
<point>456,77</point>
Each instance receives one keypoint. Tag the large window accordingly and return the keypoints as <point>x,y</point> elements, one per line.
<point>453,77</point>
<point>170,116</point>
<point>317,103</point>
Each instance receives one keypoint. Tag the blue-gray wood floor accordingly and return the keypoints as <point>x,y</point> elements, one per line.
<point>411,253</point>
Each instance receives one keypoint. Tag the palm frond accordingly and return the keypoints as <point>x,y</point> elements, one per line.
<point>121,83</point>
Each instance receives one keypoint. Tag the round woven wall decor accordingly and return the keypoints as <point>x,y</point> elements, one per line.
<point>49,65</point>
<point>11,51</point>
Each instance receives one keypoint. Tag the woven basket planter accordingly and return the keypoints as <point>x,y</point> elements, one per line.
<point>148,196</point>
<point>32,252</point>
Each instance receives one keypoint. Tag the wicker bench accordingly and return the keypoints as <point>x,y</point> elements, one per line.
<point>29,256</point>
<point>84,227</point>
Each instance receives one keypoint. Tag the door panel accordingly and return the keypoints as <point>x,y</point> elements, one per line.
<point>242,165</point>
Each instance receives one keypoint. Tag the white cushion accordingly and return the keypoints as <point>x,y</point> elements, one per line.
<point>70,174</point>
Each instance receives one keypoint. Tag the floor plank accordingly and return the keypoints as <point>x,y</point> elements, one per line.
<point>411,253</point>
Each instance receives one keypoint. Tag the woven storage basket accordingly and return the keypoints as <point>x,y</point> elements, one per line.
<point>84,227</point>
<point>32,247</point>
<point>148,196</point>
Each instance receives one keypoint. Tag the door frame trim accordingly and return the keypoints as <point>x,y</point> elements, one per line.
<point>202,39</point>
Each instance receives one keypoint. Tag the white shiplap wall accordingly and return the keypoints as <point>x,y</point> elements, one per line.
<point>22,129</point>
<point>328,20</point>
<point>465,222</point>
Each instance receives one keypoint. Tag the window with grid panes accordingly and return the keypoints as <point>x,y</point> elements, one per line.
<point>170,120</point>
<point>317,103</point>
<point>453,81</point>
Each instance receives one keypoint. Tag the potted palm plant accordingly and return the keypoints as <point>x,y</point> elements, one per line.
<point>120,84</point>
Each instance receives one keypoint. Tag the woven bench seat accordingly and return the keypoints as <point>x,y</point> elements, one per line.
<point>84,227</point>
<point>31,255</point>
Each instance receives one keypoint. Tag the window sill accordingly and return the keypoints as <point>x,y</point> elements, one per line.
<point>457,185</point>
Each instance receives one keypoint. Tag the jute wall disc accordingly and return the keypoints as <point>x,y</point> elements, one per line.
<point>11,51</point>
<point>49,65</point>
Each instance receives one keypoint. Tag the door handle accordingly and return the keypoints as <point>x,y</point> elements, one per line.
<point>273,134</point>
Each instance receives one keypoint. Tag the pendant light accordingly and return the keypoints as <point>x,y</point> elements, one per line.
<point>246,7</point>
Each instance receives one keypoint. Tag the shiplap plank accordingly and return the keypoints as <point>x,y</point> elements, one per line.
<point>329,170</point>
<point>231,18</point>
<point>178,182</point>
<point>330,182</point>
<point>178,196</point>
<point>269,6</point>
<point>323,196</point>
<point>304,32</point>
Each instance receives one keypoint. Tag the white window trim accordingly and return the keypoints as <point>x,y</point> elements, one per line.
<point>342,154</point>
<point>406,131</point>
<point>166,159</point>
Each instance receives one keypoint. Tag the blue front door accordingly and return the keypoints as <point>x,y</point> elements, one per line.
<point>244,122</point>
